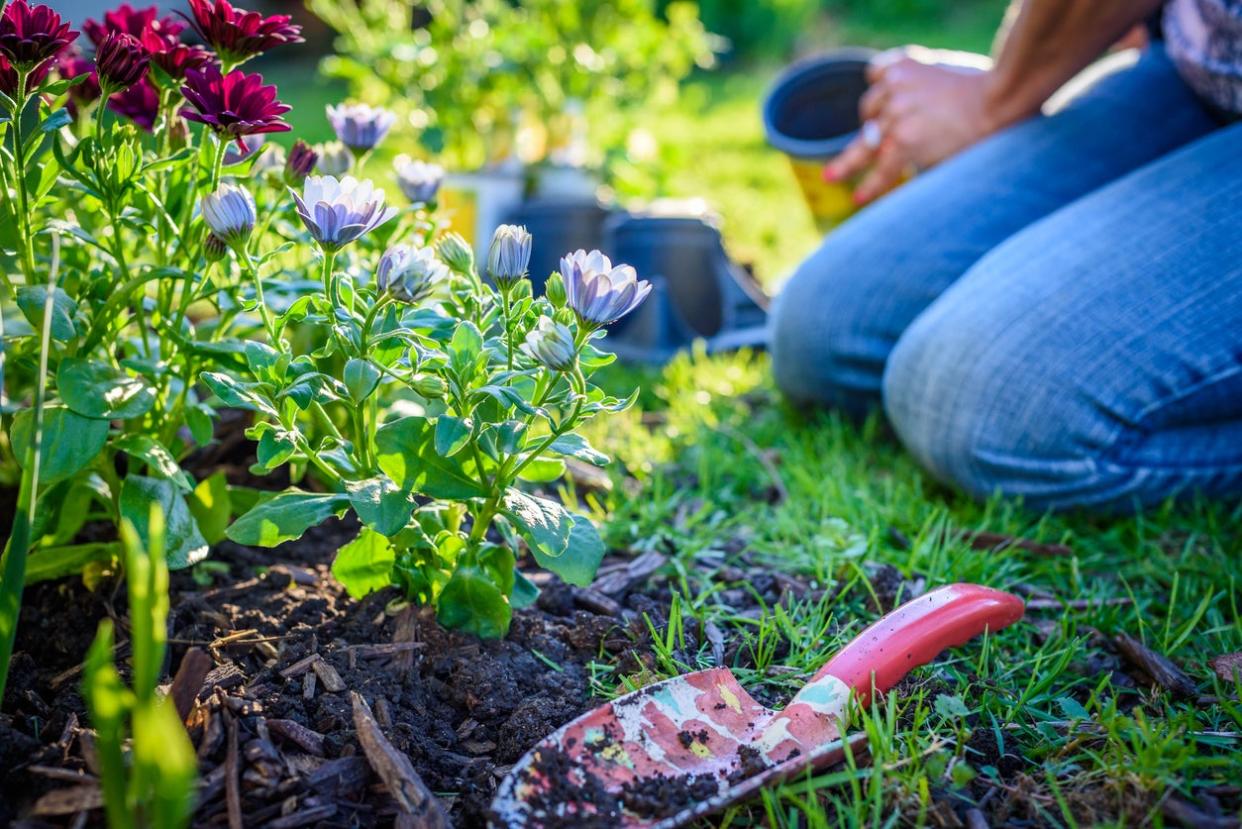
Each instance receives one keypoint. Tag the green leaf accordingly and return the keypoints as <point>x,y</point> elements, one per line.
<point>212,506</point>
<point>365,564</point>
<point>562,542</point>
<point>576,446</point>
<point>96,389</point>
<point>49,563</point>
<point>70,441</point>
<point>544,524</point>
<point>59,118</point>
<point>275,447</point>
<point>543,470</point>
<point>200,418</point>
<point>238,394</point>
<point>361,377</point>
<point>163,758</point>
<point>155,455</point>
<point>184,544</point>
<point>285,517</point>
<point>472,602</point>
<point>407,454</point>
<point>525,592</point>
<point>951,706</point>
<point>30,299</point>
<point>381,505</point>
<point>452,435</point>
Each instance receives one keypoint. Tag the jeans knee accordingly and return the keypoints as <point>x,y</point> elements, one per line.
<point>983,421</point>
<point>822,352</point>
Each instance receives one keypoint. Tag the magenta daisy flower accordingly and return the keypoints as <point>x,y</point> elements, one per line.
<point>30,35</point>
<point>238,35</point>
<point>133,22</point>
<point>170,54</point>
<point>235,104</point>
<point>140,104</point>
<point>120,61</point>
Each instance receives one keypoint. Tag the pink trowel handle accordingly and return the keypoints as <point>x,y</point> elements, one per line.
<point>915,634</point>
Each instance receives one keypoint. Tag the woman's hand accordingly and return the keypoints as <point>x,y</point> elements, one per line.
<point>923,106</point>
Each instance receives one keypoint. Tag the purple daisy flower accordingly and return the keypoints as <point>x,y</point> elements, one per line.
<point>235,104</point>
<point>339,212</point>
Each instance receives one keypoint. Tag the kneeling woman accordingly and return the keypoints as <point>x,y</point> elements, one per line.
<point>1052,309</point>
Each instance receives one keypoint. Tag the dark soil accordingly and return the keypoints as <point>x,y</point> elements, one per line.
<point>462,709</point>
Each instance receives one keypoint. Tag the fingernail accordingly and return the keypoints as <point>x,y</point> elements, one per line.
<point>830,173</point>
<point>861,197</point>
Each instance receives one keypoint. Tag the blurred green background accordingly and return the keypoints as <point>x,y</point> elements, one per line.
<point>709,144</point>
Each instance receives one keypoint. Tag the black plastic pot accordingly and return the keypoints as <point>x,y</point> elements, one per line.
<point>559,226</point>
<point>697,293</point>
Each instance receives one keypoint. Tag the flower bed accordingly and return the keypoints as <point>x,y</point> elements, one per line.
<point>400,419</point>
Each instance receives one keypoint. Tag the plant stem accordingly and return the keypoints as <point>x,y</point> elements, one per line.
<point>13,566</point>
<point>253,271</point>
<point>23,198</point>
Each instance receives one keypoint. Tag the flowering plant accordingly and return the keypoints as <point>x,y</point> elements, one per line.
<point>489,386</point>
<point>120,292</point>
<point>165,262</point>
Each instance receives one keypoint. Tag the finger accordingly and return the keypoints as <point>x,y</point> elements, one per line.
<point>889,165</point>
<point>881,62</point>
<point>852,160</point>
<point>873,101</point>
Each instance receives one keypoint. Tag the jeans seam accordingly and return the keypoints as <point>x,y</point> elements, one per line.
<point>1131,430</point>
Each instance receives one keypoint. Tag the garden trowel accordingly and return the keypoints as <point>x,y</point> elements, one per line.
<point>679,749</point>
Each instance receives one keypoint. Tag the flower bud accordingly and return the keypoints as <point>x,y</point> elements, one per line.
<point>565,316</point>
<point>554,290</point>
<point>360,127</point>
<point>429,386</point>
<point>335,159</point>
<point>418,180</point>
<point>456,253</point>
<point>551,344</point>
<point>230,213</point>
<point>214,248</point>
<point>300,163</point>
<point>409,274</point>
<point>509,255</point>
<point>120,61</point>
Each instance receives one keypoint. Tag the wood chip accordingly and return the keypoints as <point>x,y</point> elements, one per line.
<point>309,680</point>
<point>998,541</point>
<point>295,574</point>
<point>383,649</point>
<point>300,667</point>
<point>383,712</point>
<point>332,682</point>
<point>339,777</point>
<point>1192,817</point>
<point>1162,670</point>
<point>617,581</point>
<point>226,675</point>
<point>395,769</point>
<point>715,636</point>
<point>1228,666</point>
<point>188,682</point>
<point>405,633</point>
<point>976,820</point>
<point>596,602</point>
<point>58,773</point>
<point>298,734</point>
<point>69,801</point>
<point>305,817</point>
<point>232,783</point>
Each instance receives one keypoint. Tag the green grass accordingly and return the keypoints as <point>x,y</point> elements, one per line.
<point>1087,745</point>
<point>1084,743</point>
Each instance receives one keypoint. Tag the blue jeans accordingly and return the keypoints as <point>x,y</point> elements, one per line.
<point>1055,313</point>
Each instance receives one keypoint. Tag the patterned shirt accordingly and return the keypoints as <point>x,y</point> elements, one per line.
<point>1204,38</point>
